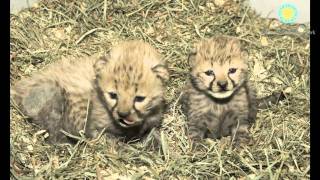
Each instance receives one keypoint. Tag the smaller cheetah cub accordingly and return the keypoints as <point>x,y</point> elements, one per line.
<point>218,100</point>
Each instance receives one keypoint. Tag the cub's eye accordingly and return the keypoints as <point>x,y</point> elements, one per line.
<point>232,70</point>
<point>113,95</point>
<point>139,98</point>
<point>209,73</point>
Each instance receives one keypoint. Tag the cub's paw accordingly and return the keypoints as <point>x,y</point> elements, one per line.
<point>242,139</point>
<point>241,136</point>
<point>153,140</point>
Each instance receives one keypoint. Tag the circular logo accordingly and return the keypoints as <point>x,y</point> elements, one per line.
<point>288,13</point>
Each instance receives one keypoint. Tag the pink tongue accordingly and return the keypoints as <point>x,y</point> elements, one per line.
<point>129,121</point>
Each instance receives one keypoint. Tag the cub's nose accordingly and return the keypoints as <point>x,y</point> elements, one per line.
<point>123,114</point>
<point>222,84</point>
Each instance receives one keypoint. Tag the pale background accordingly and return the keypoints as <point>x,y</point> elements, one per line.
<point>266,8</point>
<point>269,8</point>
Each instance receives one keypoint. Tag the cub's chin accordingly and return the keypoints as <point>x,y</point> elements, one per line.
<point>222,94</point>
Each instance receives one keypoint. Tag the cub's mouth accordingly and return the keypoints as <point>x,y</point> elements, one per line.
<point>126,122</point>
<point>221,94</point>
<point>224,93</point>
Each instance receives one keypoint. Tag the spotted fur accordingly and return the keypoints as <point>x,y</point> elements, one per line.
<point>218,100</point>
<point>121,93</point>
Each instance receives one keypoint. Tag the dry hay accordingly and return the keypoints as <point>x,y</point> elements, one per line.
<point>279,60</point>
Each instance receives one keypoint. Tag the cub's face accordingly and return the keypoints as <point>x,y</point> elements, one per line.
<point>218,67</point>
<point>131,83</point>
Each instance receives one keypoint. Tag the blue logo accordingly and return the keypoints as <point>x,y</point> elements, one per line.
<point>288,13</point>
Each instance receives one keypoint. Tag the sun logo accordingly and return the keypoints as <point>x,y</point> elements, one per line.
<point>288,13</point>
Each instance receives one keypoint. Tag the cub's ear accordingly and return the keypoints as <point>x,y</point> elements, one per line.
<point>244,55</point>
<point>100,64</point>
<point>162,72</point>
<point>191,57</point>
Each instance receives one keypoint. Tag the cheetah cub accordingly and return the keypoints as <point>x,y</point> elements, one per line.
<point>122,93</point>
<point>218,100</point>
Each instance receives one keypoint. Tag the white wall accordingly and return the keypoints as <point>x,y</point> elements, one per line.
<point>266,8</point>
<point>269,8</point>
<point>17,5</point>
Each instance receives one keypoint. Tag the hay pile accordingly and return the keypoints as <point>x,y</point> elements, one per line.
<point>279,60</point>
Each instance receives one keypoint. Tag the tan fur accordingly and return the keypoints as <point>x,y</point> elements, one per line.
<point>140,72</point>
<point>212,110</point>
<point>57,98</point>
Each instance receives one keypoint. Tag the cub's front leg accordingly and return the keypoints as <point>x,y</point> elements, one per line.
<point>202,126</point>
<point>237,125</point>
<point>151,128</point>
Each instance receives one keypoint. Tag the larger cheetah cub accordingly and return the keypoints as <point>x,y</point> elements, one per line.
<point>122,93</point>
<point>218,100</point>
